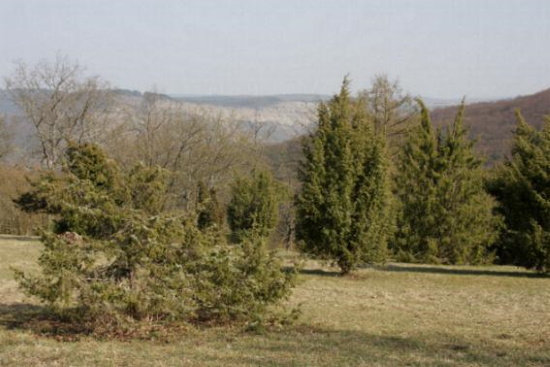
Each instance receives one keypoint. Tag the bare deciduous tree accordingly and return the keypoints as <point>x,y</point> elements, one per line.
<point>194,144</point>
<point>392,109</point>
<point>60,103</point>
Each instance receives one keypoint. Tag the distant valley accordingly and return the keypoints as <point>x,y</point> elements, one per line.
<point>284,117</point>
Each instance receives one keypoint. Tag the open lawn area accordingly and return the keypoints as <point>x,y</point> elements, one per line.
<point>395,315</point>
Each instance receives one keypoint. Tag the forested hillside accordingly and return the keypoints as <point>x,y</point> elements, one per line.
<point>492,123</point>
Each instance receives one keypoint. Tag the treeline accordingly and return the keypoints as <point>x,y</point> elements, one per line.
<point>149,212</point>
<point>368,196</point>
<point>375,180</point>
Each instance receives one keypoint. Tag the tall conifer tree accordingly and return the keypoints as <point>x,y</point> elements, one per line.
<point>343,208</point>
<point>522,186</point>
<point>416,183</point>
<point>446,215</point>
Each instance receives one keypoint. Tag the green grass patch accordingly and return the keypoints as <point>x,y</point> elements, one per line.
<point>396,315</point>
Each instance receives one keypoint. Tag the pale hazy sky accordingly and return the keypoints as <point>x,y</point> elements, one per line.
<point>436,48</point>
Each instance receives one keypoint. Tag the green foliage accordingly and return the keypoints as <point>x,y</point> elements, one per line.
<point>210,213</point>
<point>115,257</point>
<point>253,208</point>
<point>522,187</point>
<point>88,162</point>
<point>343,208</point>
<point>148,188</point>
<point>445,215</point>
<point>238,283</point>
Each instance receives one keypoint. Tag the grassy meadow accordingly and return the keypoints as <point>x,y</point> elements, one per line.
<point>396,315</point>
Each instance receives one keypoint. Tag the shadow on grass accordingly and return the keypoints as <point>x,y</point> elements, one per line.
<point>320,272</point>
<point>457,271</point>
<point>13,314</point>
<point>305,345</point>
<point>39,320</point>
<point>310,345</point>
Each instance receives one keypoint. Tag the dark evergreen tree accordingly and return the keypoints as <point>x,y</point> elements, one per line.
<point>467,222</point>
<point>416,189</point>
<point>147,187</point>
<point>445,214</point>
<point>210,213</point>
<point>88,162</point>
<point>522,187</point>
<point>342,210</point>
<point>372,220</point>
<point>253,208</point>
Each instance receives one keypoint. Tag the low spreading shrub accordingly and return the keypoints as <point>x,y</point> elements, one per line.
<point>113,257</point>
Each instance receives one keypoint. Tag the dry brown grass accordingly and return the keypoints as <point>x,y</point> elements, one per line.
<point>398,315</point>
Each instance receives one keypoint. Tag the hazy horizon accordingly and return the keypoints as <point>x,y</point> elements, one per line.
<point>436,48</point>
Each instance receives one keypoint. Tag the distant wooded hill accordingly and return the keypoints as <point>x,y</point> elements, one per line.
<point>492,123</point>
